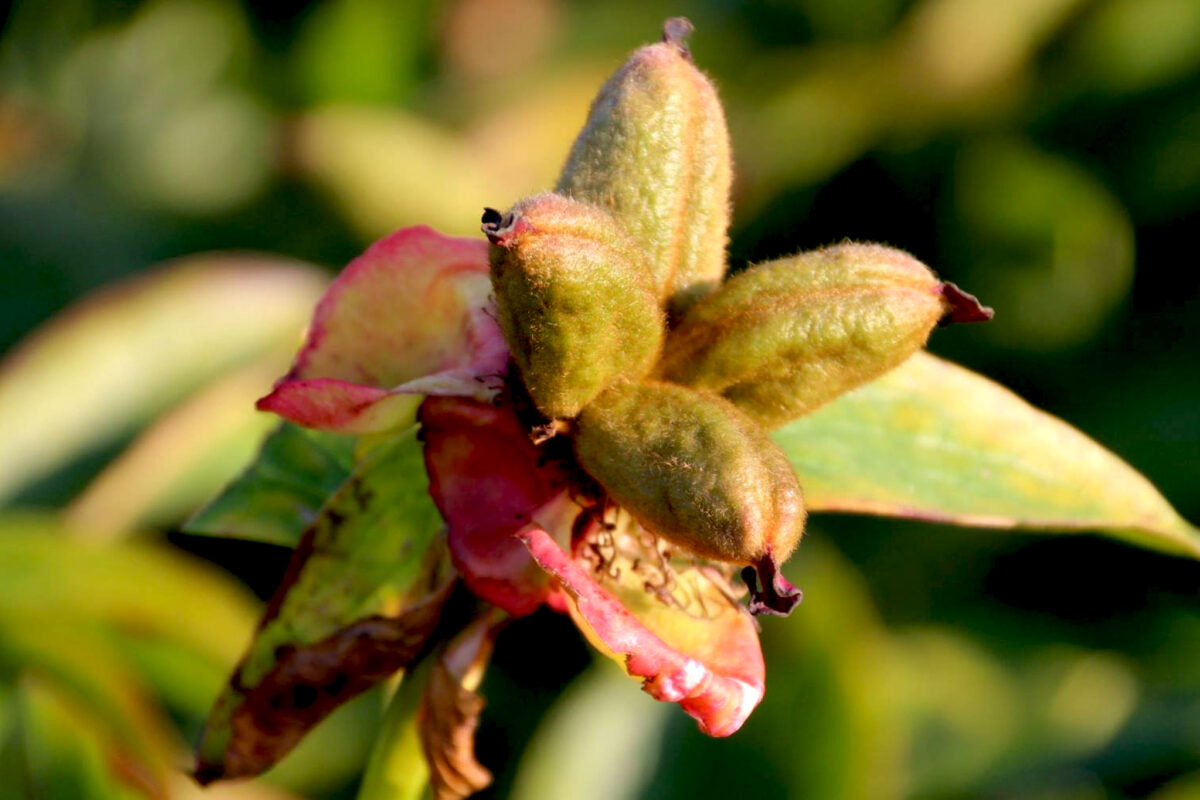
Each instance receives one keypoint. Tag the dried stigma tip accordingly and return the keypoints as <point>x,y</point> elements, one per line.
<point>675,33</point>
<point>778,597</point>
<point>964,306</point>
<point>496,226</point>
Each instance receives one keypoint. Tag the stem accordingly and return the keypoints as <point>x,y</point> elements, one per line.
<point>397,768</point>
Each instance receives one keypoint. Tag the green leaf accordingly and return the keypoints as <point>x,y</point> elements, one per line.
<point>597,713</point>
<point>136,586</point>
<point>132,350</point>
<point>932,440</point>
<point>280,494</point>
<point>82,666</point>
<point>61,755</point>
<point>362,594</point>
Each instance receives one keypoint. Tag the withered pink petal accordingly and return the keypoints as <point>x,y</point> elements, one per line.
<point>486,476</point>
<point>410,316</point>
<point>710,663</point>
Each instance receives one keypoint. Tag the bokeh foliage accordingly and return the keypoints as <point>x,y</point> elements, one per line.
<point>1041,152</point>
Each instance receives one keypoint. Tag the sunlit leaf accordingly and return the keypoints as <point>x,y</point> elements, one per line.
<point>61,754</point>
<point>86,671</point>
<point>282,491</point>
<point>180,461</point>
<point>134,349</point>
<point>361,596</point>
<point>135,587</point>
<point>597,713</point>
<point>389,169</point>
<point>932,440</point>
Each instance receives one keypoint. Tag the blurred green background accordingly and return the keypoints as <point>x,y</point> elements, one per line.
<point>1044,154</point>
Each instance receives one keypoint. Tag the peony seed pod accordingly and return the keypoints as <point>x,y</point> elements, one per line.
<point>655,152</point>
<point>574,300</point>
<point>693,469</point>
<point>784,337</point>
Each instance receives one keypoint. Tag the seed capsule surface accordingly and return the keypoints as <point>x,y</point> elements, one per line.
<point>574,300</point>
<point>784,337</point>
<point>655,152</point>
<point>693,469</point>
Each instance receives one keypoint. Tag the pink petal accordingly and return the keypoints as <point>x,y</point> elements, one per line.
<point>411,315</point>
<point>706,657</point>
<point>486,476</point>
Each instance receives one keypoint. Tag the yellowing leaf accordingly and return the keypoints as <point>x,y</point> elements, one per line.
<point>362,595</point>
<point>132,350</point>
<point>932,440</point>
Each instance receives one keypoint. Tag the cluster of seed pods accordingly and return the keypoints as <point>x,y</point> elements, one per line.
<point>611,297</point>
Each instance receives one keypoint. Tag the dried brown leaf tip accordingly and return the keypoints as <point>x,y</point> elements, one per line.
<point>450,710</point>
<point>308,682</point>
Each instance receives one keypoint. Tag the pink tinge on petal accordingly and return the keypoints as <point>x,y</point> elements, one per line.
<point>411,315</point>
<point>712,667</point>
<point>329,404</point>
<point>486,476</point>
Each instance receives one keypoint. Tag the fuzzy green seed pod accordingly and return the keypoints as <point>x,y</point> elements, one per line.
<point>693,469</point>
<point>784,337</point>
<point>655,152</point>
<point>574,300</point>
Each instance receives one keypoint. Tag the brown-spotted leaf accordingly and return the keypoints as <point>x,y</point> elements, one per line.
<point>932,440</point>
<point>361,597</point>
